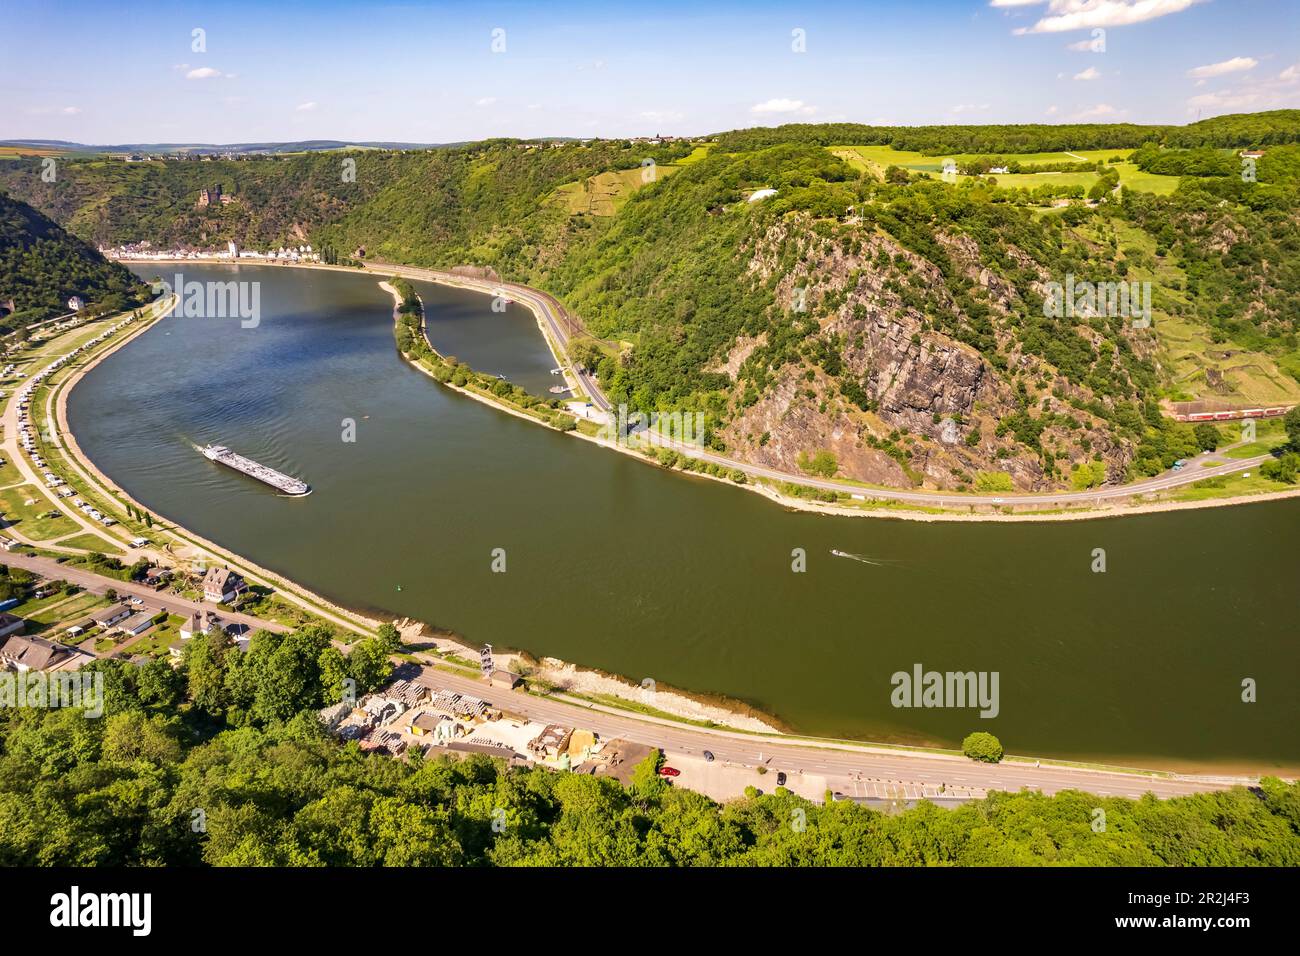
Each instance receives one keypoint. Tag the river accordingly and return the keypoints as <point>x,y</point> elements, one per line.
<point>615,564</point>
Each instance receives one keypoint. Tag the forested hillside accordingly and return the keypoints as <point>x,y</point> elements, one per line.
<point>865,320</point>
<point>223,762</point>
<point>41,266</point>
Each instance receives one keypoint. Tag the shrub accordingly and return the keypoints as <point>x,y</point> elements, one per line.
<point>983,747</point>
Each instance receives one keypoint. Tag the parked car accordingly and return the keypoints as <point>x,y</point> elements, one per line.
<point>708,756</point>
<point>670,772</point>
<point>780,778</point>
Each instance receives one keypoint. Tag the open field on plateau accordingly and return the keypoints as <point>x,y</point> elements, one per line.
<point>876,159</point>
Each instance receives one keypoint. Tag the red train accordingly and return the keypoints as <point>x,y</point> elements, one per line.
<point>1273,412</point>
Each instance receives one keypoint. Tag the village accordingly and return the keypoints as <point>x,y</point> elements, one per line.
<point>145,251</point>
<point>418,711</point>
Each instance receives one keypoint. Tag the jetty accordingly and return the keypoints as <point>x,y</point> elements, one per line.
<point>280,482</point>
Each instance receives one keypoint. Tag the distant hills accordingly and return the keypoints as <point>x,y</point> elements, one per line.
<point>211,149</point>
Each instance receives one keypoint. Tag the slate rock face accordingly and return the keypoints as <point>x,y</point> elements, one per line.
<point>932,401</point>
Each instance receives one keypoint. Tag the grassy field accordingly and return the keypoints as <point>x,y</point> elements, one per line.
<point>605,193</point>
<point>156,642</point>
<point>1269,434</point>
<point>876,159</point>
<point>93,542</point>
<point>1226,487</point>
<point>67,611</point>
<point>1131,177</point>
<point>30,519</point>
<point>29,151</point>
<point>1034,180</point>
<point>9,474</point>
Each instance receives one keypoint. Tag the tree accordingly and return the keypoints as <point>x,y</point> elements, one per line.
<point>368,664</point>
<point>1284,469</point>
<point>389,636</point>
<point>1207,436</point>
<point>206,662</point>
<point>1292,424</point>
<point>982,746</point>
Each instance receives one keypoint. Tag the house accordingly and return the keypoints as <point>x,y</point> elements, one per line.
<point>220,585</point>
<point>23,653</point>
<point>200,622</point>
<point>11,624</point>
<point>76,303</point>
<point>157,577</point>
<point>425,724</point>
<point>551,742</point>
<point>503,678</point>
<point>139,622</point>
<point>110,616</point>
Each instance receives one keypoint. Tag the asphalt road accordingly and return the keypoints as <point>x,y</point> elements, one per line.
<point>98,584</point>
<point>842,763</point>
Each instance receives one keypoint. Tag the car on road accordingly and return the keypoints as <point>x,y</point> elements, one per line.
<point>669,772</point>
<point>708,756</point>
<point>780,778</point>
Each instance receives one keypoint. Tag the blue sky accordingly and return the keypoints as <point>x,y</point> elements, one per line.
<point>100,72</point>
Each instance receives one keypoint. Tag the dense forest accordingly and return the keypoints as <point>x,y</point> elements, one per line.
<point>1243,129</point>
<point>894,325</point>
<point>223,762</point>
<point>42,266</point>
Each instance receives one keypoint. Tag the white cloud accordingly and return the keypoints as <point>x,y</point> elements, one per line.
<point>485,101</point>
<point>1091,73</point>
<point>1235,65</point>
<point>783,105</point>
<point>1227,100</point>
<point>48,110</point>
<point>306,107</point>
<point>661,116</point>
<point>969,108</point>
<point>1250,94</point>
<point>70,110</point>
<point>1065,15</point>
<point>202,73</point>
<point>1051,111</point>
<point>1100,111</point>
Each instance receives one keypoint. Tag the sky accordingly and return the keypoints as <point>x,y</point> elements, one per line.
<point>98,72</point>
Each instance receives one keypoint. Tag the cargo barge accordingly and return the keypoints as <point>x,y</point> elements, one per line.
<point>269,476</point>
